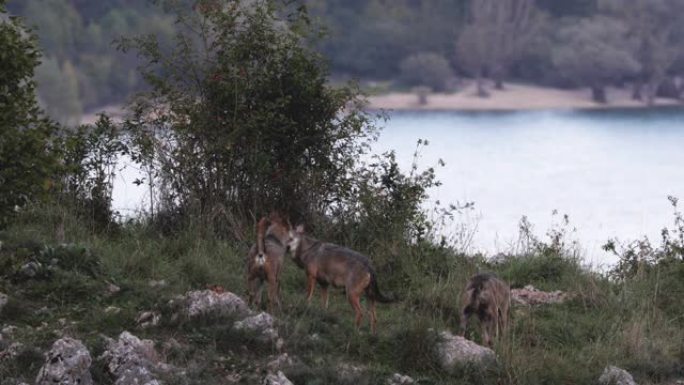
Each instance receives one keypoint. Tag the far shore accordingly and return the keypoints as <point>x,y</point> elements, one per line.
<point>514,97</point>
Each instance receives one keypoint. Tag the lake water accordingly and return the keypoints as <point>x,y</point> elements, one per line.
<point>610,171</point>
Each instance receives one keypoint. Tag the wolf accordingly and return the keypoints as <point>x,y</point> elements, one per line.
<point>489,298</point>
<point>265,259</point>
<point>330,264</point>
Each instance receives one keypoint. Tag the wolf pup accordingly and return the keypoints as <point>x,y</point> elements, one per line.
<point>266,257</point>
<point>489,298</point>
<point>330,264</point>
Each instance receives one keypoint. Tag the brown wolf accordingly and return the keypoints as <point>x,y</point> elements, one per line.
<point>330,264</point>
<point>266,257</point>
<point>489,298</point>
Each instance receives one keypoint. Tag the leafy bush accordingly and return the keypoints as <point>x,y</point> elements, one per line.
<point>426,69</point>
<point>258,128</point>
<point>26,152</point>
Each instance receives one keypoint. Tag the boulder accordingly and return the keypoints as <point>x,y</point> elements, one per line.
<point>529,296</point>
<point>132,361</point>
<point>67,363</point>
<point>277,379</point>
<point>210,303</point>
<point>455,351</point>
<point>612,375</point>
<point>262,324</point>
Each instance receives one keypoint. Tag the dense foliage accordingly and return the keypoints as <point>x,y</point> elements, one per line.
<point>27,161</point>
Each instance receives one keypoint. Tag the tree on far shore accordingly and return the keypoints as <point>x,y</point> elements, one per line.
<point>494,37</point>
<point>654,25</point>
<point>595,52</point>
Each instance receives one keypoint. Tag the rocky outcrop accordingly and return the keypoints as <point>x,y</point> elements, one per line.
<point>210,303</point>
<point>530,296</point>
<point>400,379</point>
<point>67,363</point>
<point>262,324</point>
<point>277,379</point>
<point>454,351</point>
<point>612,375</point>
<point>132,361</point>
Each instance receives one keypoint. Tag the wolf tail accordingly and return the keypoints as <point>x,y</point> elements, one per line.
<point>373,291</point>
<point>261,233</point>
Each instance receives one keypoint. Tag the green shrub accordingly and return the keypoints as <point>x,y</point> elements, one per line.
<point>426,69</point>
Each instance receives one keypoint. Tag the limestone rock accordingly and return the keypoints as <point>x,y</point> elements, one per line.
<point>262,324</point>
<point>349,373</point>
<point>279,362</point>
<point>400,379</point>
<point>529,296</point>
<point>208,302</point>
<point>277,379</point>
<point>148,318</point>
<point>67,363</point>
<point>131,361</point>
<point>612,375</point>
<point>112,289</point>
<point>454,351</point>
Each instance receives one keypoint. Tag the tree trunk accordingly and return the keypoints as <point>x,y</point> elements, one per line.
<point>481,91</point>
<point>636,92</point>
<point>498,83</point>
<point>497,74</point>
<point>598,94</point>
<point>651,91</point>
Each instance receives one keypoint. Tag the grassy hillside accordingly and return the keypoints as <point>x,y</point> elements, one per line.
<point>634,323</point>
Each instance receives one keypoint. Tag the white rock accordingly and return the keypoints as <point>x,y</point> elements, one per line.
<point>148,318</point>
<point>279,362</point>
<point>349,373</point>
<point>112,289</point>
<point>277,379</point>
<point>400,379</point>
<point>529,296</point>
<point>209,302</point>
<point>612,375</point>
<point>455,351</point>
<point>262,323</point>
<point>131,361</point>
<point>67,362</point>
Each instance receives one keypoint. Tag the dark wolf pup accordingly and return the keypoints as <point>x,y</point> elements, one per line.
<point>266,257</point>
<point>489,298</point>
<point>330,264</point>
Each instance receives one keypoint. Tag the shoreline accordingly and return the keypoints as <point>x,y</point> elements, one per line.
<point>514,97</point>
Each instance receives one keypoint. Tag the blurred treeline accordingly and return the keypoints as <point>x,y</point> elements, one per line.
<point>81,68</point>
<point>434,43</point>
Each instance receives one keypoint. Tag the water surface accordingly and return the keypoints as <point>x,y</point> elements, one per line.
<point>610,171</point>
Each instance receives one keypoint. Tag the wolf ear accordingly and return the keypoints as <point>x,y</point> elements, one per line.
<point>300,229</point>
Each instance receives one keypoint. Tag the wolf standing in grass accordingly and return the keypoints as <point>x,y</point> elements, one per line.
<point>489,298</point>
<point>265,259</point>
<point>330,264</point>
